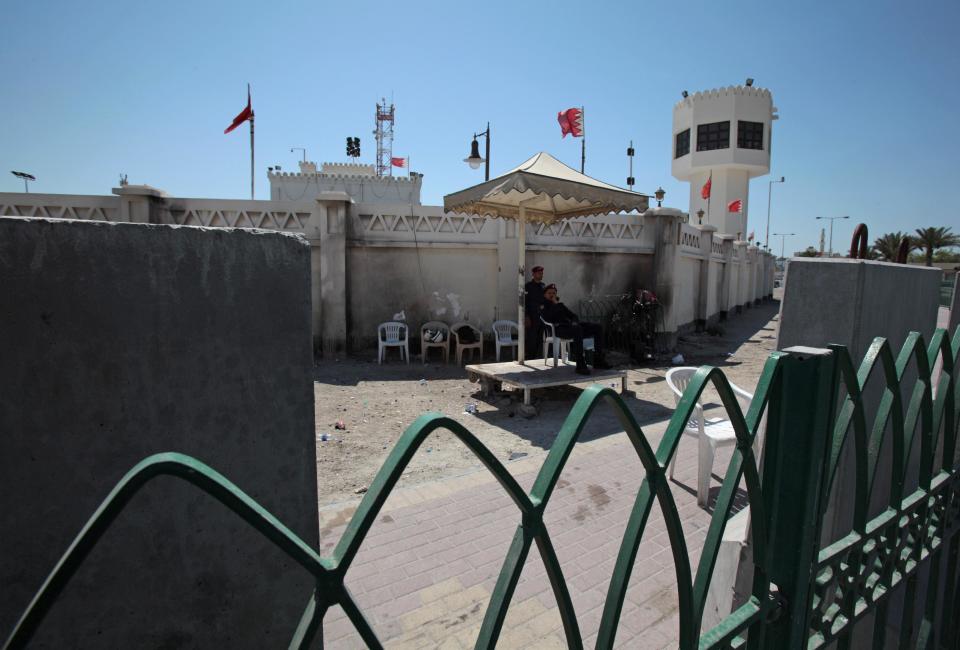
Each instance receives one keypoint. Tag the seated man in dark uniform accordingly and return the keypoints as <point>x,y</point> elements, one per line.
<point>533,301</point>
<point>569,326</point>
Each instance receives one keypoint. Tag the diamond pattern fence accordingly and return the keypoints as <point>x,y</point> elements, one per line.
<point>802,596</point>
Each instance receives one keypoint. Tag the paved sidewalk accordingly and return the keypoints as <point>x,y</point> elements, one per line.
<point>424,575</point>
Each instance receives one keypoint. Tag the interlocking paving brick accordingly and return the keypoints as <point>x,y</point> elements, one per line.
<point>425,574</point>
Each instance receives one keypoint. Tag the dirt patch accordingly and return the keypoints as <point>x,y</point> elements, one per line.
<point>378,402</point>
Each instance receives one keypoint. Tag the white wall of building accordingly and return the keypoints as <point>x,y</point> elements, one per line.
<point>731,168</point>
<point>360,182</point>
<point>371,260</point>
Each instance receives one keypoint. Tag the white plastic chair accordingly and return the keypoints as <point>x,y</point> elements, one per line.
<point>712,433</point>
<point>393,335</point>
<point>443,344</point>
<point>461,346</point>
<point>503,335</point>
<point>561,347</point>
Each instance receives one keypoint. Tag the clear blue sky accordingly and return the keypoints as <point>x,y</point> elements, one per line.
<point>868,94</point>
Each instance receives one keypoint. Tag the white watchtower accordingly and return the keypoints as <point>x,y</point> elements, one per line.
<point>725,133</point>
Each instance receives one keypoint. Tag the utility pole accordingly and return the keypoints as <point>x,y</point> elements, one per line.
<point>769,193</point>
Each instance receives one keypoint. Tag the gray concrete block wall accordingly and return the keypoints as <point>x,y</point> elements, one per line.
<point>122,340</point>
<point>852,301</point>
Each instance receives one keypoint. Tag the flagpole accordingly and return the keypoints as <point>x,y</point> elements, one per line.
<point>251,145</point>
<point>583,141</point>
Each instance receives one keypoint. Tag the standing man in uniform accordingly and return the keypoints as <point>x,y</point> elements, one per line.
<point>533,304</point>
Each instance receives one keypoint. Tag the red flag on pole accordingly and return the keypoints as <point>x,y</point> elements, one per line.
<point>245,114</point>
<point>750,238</point>
<point>398,162</point>
<point>735,206</point>
<point>705,192</point>
<point>571,122</point>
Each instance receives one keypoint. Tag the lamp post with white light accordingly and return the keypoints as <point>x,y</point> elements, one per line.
<point>769,193</point>
<point>26,177</point>
<point>474,159</point>
<point>783,241</point>
<point>832,219</point>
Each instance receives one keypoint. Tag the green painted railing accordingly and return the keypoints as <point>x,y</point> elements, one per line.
<point>946,290</point>
<point>801,596</point>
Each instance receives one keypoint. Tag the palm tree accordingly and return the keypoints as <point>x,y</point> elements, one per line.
<point>931,239</point>
<point>889,245</point>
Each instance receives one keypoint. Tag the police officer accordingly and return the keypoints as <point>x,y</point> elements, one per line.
<point>532,306</point>
<point>569,326</point>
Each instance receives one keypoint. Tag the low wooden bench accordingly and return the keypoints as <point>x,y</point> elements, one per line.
<point>534,374</point>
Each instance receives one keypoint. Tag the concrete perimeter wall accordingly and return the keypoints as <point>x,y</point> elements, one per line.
<point>851,302</point>
<point>848,302</point>
<point>119,341</point>
<point>372,260</point>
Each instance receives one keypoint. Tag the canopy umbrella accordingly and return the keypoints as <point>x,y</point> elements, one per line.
<point>544,190</point>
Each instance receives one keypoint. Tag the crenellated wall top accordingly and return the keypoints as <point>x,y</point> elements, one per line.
<point>346,174</point>
<point>724,91</point>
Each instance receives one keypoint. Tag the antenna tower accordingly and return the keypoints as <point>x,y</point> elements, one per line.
<point>384,135</point>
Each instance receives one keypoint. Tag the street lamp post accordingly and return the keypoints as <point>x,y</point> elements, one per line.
<point>658,195</point>
<point>769,193</point>
<point>474,158</point>
<point>783,241</point>
<point>26,177</point>
<point>832,219</point>
<point>303,149</point>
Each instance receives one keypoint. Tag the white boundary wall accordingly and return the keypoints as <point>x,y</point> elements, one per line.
<point>372,260</point>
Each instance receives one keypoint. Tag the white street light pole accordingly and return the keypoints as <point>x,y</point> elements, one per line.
<point>832,219</point>
<point>25,177</point>
<point>769,193</point>
<point>783,241</point>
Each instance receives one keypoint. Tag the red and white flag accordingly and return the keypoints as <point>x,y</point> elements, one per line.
<point>245,114</point>
<point>705,191</point>
<point>571,122</point>
<point>735,206</point>
<point>398,162</point>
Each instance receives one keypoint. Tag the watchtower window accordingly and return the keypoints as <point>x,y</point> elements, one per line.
<point>715,135</point>
<point>683,144</point>
<point>750,135</point>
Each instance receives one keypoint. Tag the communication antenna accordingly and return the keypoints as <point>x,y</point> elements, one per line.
<point>384,136</point>
<point>630,180</point>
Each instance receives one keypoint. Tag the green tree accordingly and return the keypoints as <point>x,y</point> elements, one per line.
<point>946,256</point>
<point>888,246</point>
<point>930,239</point>
<point>810,252</point>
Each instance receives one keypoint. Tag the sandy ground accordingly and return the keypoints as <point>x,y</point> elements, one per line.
<point>377,402</point>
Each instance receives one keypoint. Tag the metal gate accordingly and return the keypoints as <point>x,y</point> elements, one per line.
<point>802,596</point>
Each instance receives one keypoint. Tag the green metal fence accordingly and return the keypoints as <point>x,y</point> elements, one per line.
<point>946,289</point>
<point>802,595</point>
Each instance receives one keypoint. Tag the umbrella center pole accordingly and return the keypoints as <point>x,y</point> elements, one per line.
<point>521,281</point>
